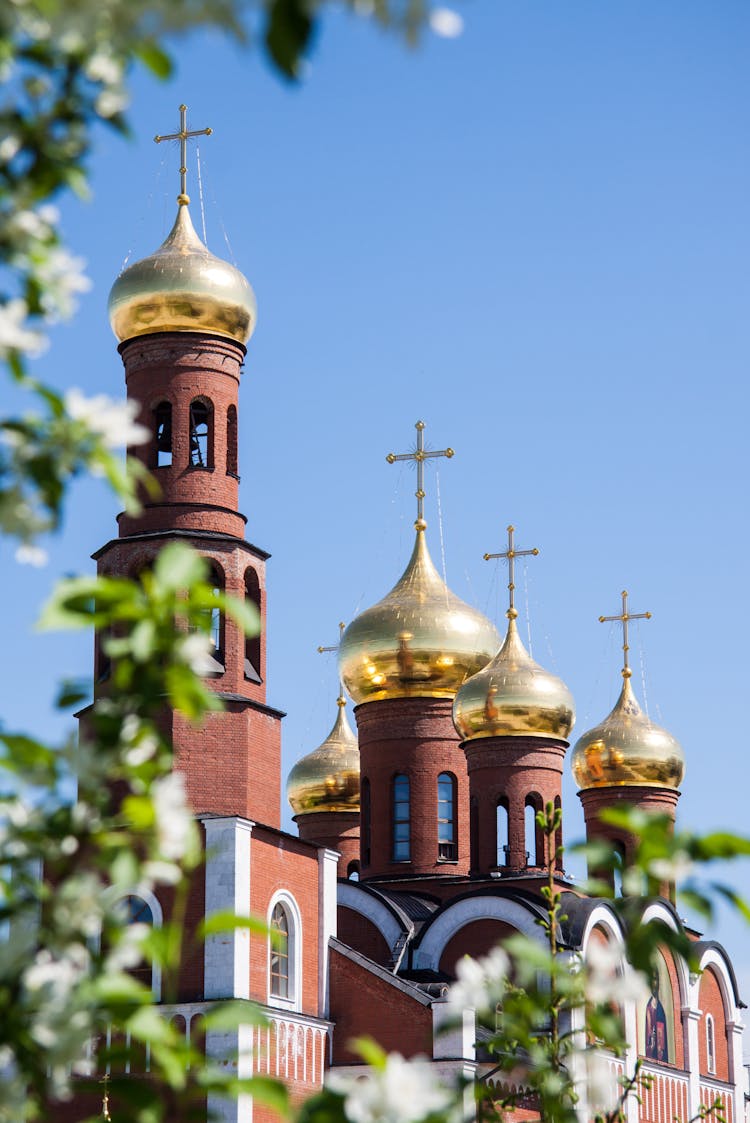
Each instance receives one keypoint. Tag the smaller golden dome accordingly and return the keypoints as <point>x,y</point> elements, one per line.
<point>513,697</point>
<point>419,641</point>
<point>628,750</point>
<point>182,287</point>
<point>327,779</point>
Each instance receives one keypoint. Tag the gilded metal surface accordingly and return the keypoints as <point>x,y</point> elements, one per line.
<point>184,135</point>
<point>623,619</point>
<point>628,749</point>
<point>420,640</point>
<point>182,287</point>
<point>510,556</point>
<point>513,697</point>
<point>327,779</point>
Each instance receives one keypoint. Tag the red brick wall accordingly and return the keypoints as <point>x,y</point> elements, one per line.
<point>660,801</point>
<point>357,932</point>
<point>511,769</point>
<point>362,1003</point>
<point>279,862</point>
<point>414,736</point>
<point>177,367</point>
<point>338,830</point>
<point>475,939</point>
<point>711,1003</point>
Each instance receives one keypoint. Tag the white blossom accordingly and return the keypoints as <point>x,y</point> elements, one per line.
<point>479,983</point>
<point>403,1092</point>
<point>27,554</point>
<point>104,67</point>
<point>676,868</point>
<point>61,276</point>
<point>610,978</point>
<point>9,146</point>
<point>195,650</point>
<point>174,822</point>
<point>114,422</point>
<point>602,1086</point>
<point>111,101</point>
<point>446,23</point>
<point>14,333</point>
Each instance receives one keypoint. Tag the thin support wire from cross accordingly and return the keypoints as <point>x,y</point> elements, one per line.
<point>341,700</point>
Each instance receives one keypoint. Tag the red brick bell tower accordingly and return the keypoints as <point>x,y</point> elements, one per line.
<point>183,318</point>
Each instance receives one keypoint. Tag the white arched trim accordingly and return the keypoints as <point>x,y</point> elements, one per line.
<point>466,911</point>
<point>294,921</point>
<point>713,958</point>
<point>359,900</point>
<point>602,917</point>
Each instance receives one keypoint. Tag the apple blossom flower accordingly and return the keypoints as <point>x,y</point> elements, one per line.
<point>114,422</point>
<point>404,1091</point>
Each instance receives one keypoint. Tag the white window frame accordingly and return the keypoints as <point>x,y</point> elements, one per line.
<point>294,918</point>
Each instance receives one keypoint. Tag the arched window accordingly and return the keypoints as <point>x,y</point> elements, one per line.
<point>533,834</point>
<point>352,871</point>
<point>144,908</point>
<point>501,828</point>
<point>232,441</point>
<point>446,814</point>
<point>401,819</point>
<point>201,434</point>
<point>252,643</point>
<point>559,836</point>
<point>216,631</point>
<point>366,821</point>
<point>710,1044</point>
<point>618,868</point>
<point>279,952</point>
<point>163,435</point>
<point>284,952</point>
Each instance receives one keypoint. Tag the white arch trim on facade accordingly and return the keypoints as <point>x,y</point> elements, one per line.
<point>432,945</point>
<point>658,910</point>
<point>294,1002</point>
<point>359,900</point>
<point>601,916</point>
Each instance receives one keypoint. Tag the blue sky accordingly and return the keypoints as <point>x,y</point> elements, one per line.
<point>535,237</point>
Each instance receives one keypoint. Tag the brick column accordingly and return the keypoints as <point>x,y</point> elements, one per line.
<point>414,737</point>
<point>511,771</point>
<point>658,801</point>
<point>337,830</point>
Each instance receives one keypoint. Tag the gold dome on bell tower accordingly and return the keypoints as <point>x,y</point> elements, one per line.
<point>327,779</point>
<point>627,749</point>
<point>420,640</point>
<point>182,286</point>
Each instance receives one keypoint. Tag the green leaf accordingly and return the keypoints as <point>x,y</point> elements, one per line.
<point>288,33</point>
<point>148,1025</point>
<point>265,1090</point>
<point>178,567</point>
<point>155,58</point>
<point>231,1015</point>
<point>369,1050</point>
<point>229,922</point>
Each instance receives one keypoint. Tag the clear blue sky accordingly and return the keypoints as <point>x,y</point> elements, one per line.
<point>536,238</point>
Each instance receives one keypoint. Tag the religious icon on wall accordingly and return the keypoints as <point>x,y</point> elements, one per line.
<point>656,1017</point>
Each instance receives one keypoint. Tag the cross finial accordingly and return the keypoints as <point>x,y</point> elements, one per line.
<point>105,1099</point>
<point>341,700</point>
<point>623,618</point>
<point>511,554</point>
<point>419,455</point>
<point>183,136</point>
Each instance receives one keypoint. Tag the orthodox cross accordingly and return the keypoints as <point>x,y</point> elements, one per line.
<point>623,619</point>
<point>105,1100</point>
<point>511,554</point>
<point>419,455</point>
<point>341,700</point>
<point>183,136</point>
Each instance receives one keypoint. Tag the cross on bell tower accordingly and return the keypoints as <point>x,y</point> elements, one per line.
<point>623,619</point>
<point>184,135</point>
<point>510,556</point>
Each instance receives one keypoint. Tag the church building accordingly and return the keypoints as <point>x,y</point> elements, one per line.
<point>417,840</point>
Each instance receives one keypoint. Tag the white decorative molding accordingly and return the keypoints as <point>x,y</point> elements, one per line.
<point>226,956</point>
<point>327,913</point>
<point>457,916</point>
<point>294,917</point>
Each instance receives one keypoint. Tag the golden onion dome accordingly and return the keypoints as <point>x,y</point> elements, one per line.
<point>513,697</point>
<point>628,750</point>
<point>182,287</point>
<point>420,640</point>
<point>327,779</point>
